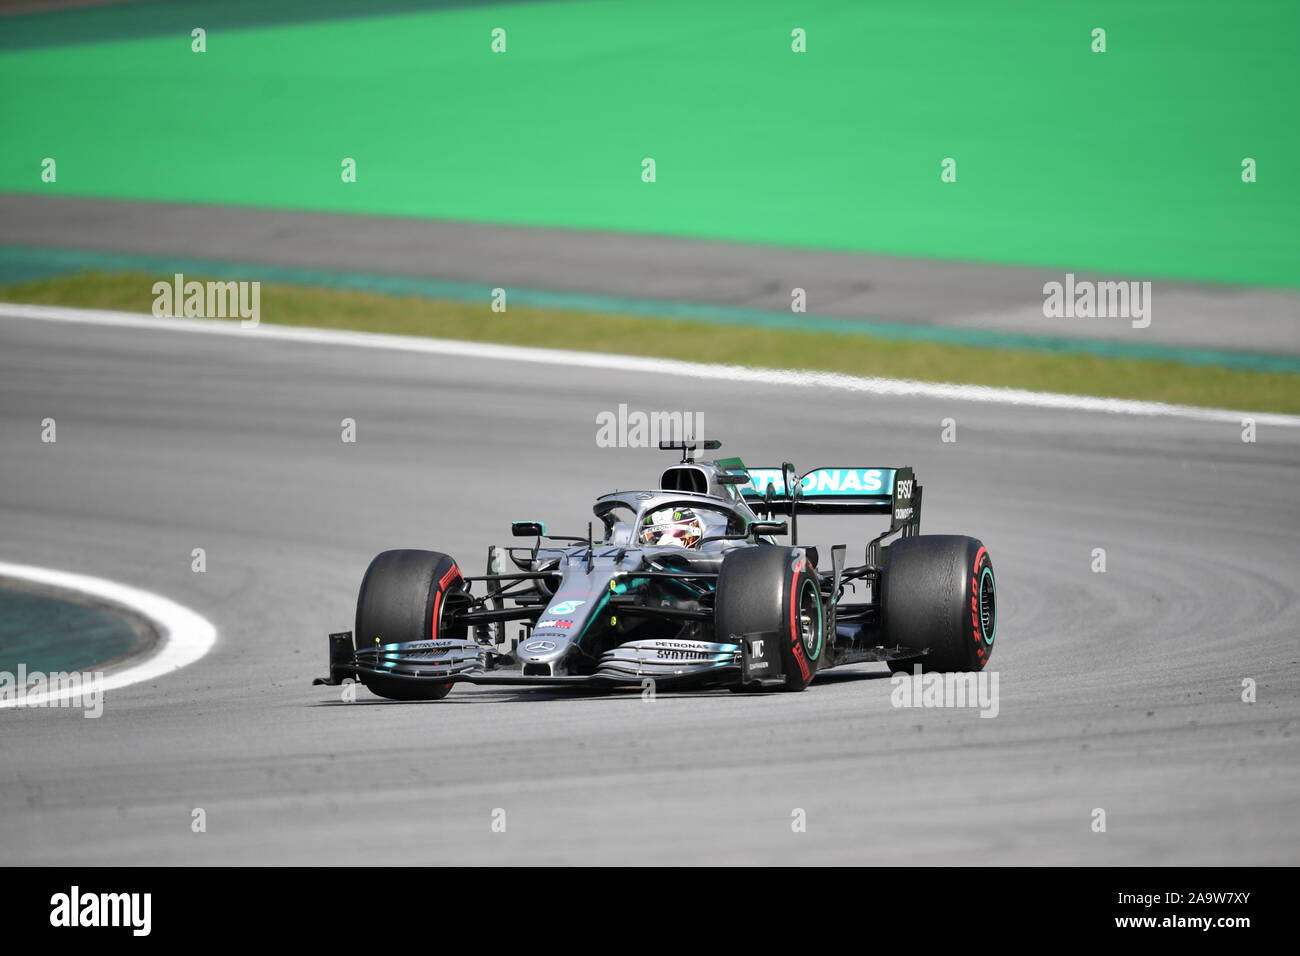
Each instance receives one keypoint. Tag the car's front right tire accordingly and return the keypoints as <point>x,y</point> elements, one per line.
<point>403,599</point>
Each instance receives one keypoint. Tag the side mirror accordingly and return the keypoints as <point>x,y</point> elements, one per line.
<point>733,478</point>
<point>768,527</point>
<point>528,529</point>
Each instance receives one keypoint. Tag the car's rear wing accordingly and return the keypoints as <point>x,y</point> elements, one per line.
<point>837,491</point>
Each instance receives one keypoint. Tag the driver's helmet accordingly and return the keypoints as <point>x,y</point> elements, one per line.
<point>678,527</point>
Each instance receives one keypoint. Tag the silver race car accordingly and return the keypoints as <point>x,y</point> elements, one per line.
<point>685,583</point>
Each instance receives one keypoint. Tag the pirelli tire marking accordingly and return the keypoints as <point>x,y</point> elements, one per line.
<point>802,636</point>
<point>983,605</point>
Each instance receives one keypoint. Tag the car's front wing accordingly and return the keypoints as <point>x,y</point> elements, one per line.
<point>451,661</point>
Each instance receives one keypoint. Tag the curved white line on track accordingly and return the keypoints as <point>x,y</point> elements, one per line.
<point>183,636</point>
<point>633,363</point>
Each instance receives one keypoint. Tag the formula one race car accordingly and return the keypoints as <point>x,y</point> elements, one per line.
<point>682,584</point>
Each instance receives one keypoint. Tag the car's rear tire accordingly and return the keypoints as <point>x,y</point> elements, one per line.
<point>774,589</point>
<point>938,593</point>
<point>403,598</point>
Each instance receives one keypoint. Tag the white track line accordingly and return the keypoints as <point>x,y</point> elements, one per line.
<point>184,636</point>
<point>632,363</point>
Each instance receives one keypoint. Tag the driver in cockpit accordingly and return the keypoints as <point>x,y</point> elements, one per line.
<point>672,527</point>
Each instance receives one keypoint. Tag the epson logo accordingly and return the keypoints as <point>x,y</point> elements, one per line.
<point>903,489</point>
<point>75,909</point>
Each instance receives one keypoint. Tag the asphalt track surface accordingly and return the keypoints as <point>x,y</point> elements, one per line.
<point>949,295</point>
<point>1119,690</point>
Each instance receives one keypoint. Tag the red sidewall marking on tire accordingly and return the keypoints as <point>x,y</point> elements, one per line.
<point>437,600</point>
<point>795,643</point>
<point>976,633</point>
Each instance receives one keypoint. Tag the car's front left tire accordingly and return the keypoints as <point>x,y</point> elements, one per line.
<point>774,591</point>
